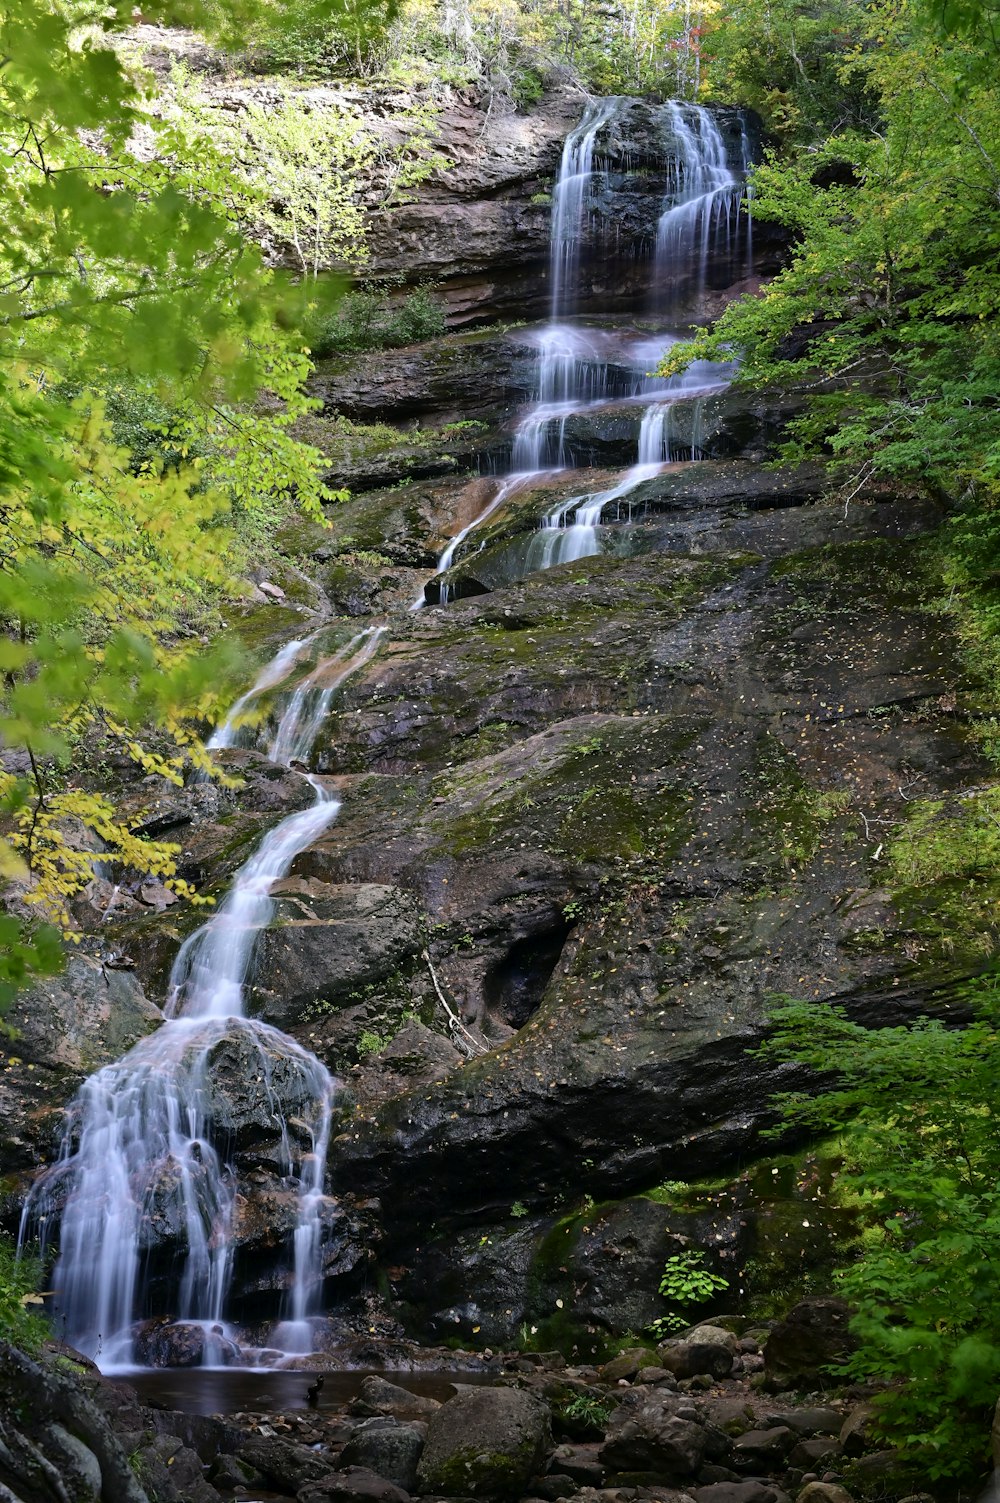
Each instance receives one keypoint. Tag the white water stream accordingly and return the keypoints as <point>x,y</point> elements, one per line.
<point>142,1138</point>
<point>706,196</point>
<point>580,369</point>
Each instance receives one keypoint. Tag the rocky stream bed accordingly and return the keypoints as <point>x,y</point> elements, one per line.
<point>703,1417</point>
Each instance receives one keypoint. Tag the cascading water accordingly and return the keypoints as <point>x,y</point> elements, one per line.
<point>272,673</point>
<point>147,1138</point>
<point>704,199</point>
<point>570,198</point>
<point>581,368</point>
<point>142,1135</point>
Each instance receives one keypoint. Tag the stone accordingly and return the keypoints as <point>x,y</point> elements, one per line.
<point>813,1335</point>
<point>579,1463</point>
<point>735,1492</point>
<point>625,1365</point>
<point>707,1349</point>
<point>353,1485</point>
<point>390,1398</point>
<point>228,1473</point>
<point>653,1375</point>
<point>166,1343</point>
<point>772,1445</point>
<point>172,1473</point>
<point>814,1421</point>
<point>388,1448</point>
<point>857,1433</point>
<point>884,1471</point>
<point>808,1454</point>
<point>553,1486</point>
<point>485,1443</point>
<point>284,1464</point>
<point>648,1433</point>
<point>823,1492</point>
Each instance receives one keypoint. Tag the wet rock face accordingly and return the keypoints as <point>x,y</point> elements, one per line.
<point>67,1027</point>
<point>622,792</point>
<point>481,230</point>
<point>327,942</point>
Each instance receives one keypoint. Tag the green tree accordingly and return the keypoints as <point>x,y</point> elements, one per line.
<point>888,310</point>
<point>122,269</point>
<point>916,1112</point>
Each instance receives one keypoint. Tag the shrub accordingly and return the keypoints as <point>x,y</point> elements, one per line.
<point>366,319</point>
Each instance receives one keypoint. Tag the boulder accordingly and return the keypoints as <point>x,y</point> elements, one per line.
<point>388,1448</point>
<point>823,1492</point>
<point>354,1485</point>
<point>228,1473</point>
<point>376,1396</point>
<point>735,1492</point>
<point>857,1433</point>
<point>262,1085</point>
<point>764,1447</point>
<point>884,1473</point>
<point>172,1473</point>
<point>166,1343</point>
<point>810,1421</point>
<point>285,1465</point>
<point>813,1336</point>
<point>579,1464</point>
<point>809,1454</point>
<point>625,1365</point>
<point>485,1443</point>
<point>654,1431</point>
<point>706,1349</point>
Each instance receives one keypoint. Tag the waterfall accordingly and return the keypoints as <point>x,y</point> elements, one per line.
<point>142,1136</point>
<point>272,673</point>
<point>579,367</point>
<point>569,200</point>
<point>704,196</point>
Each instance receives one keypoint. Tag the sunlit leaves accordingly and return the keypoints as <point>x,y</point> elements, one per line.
<point>895,271</point>
<point>127,272</point>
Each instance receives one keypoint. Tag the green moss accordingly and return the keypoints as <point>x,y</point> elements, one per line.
<point>591,804</point>
<point>262,629</point>
<point>801,1225</point>
<point>472,1472</point>
<point>944,859</point>
<point>904,573</point>
<point>786,816</point>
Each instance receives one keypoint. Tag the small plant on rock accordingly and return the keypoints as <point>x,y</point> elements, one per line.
<point>686,1281</point>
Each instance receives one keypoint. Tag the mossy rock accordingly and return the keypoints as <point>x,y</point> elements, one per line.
<point>486,1443</point>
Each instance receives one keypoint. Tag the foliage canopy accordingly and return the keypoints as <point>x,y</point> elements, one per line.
<point>126,284</point>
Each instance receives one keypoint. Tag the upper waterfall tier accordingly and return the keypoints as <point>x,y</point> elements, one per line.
<point>481,231</point>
